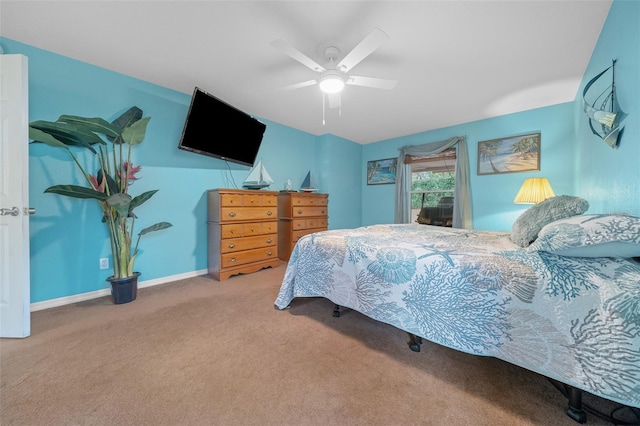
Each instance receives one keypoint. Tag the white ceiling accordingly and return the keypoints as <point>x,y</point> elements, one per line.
<point>456,61</point>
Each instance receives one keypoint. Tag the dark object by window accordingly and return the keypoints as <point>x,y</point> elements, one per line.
<point>441,215</point>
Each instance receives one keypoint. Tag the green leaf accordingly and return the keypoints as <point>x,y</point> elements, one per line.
<point>120,202</point>
<point>156,227</point>
<point>142,198</point>
<point>42,137</point>
<point>70,130</point>
<point>134,134</point>
<point>68,135</point>
<point>76,191</point>
<point>95,124</point>
<point>129,117</point>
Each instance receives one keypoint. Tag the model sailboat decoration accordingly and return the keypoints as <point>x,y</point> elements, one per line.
<point>258,177</point>
<point>607,115</point>
<point>308,184</point>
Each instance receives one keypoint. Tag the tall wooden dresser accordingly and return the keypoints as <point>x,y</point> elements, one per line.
<point>299,214</point>
<point>242,231</point>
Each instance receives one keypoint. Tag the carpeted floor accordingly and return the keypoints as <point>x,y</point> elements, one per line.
<point>203,352</point>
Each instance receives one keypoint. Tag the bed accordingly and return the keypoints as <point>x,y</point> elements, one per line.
<point>552,304</point>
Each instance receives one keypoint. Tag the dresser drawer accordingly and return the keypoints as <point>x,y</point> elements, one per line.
<point>256,200</point>
<point>314,222</point>
<point>304,211</point>
<point>248,200</point>
<point>230,200</point>
<point>237,230</point>
<point>229,260</point>
<point>297,224</point>
<point>270,227</point>
<point>246,243</point>
<point>233,214</point>
<point>305,200</point>
<point>260,228</point>
<point>269,201</point>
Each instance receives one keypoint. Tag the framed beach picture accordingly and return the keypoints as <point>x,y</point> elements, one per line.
<point>381,171</point>
<point>509,155</point>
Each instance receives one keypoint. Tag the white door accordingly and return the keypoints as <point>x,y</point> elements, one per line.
<point>15,315</point>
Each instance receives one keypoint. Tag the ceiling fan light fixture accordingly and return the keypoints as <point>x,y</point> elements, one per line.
<point>331,82</point>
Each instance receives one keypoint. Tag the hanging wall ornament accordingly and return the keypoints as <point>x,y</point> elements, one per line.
<point>605,114</point>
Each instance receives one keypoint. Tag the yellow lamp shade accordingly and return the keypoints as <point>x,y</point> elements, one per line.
<point>533,191</point>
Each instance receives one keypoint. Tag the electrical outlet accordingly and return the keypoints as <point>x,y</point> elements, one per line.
<point>104,263</point>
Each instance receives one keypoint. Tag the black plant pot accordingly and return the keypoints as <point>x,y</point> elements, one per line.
<point>124,290</point>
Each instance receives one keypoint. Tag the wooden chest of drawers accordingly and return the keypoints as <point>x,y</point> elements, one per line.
<point>299,214</point>
<point>242,231</point>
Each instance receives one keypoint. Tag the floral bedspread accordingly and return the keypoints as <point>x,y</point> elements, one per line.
<point>576,320</point>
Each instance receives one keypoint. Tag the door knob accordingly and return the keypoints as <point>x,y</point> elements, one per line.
<point>29,210</point>
<point>10,212</point>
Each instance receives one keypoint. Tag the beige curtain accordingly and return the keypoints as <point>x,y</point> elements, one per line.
<point>462,193</point>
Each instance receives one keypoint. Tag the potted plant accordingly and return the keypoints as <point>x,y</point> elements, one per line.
<point>111,145</point>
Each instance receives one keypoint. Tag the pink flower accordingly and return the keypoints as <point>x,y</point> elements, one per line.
<point>95,185</point>
<point>130,171</point>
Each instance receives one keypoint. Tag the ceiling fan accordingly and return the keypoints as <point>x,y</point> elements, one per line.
<point>334,76</point>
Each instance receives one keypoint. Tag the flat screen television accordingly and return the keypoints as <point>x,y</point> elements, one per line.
<point>217,129</point>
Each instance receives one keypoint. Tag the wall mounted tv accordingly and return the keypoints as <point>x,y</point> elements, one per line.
<point>217,129</point>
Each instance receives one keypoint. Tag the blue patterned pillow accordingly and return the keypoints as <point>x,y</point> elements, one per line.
<point>526,227</point>
<point>613,235</point>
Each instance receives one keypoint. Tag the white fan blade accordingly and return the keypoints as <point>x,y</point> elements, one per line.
<point>297,55</point>
<point>370,43</point>
<point>376,83</point>
<point>334,100</point>
<point>301,85</point>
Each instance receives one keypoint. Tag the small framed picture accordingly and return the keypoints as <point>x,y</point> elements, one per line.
<point>381,172</point>
<point>509,155</point>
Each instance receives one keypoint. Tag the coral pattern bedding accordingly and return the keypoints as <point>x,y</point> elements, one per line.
<point>573,319</point>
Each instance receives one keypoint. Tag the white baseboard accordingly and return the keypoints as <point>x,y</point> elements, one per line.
<point>52,303</point>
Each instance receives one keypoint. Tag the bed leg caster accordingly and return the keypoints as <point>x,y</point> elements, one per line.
<point>575,410</point>
<point>414,342</point>
<point>336,311</point>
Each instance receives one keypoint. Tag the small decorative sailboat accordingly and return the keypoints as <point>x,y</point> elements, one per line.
<point>258,178</point>
<point>309,184</point>
<point>608,114</point>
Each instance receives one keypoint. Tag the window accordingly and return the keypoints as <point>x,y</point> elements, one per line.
<point>432,179</point>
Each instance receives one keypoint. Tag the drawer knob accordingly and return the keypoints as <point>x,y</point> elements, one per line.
<point>269,240</point>
<point>233,259</point>
<point>232,245</point>
<point>232,214</point>
<point>269,213</point>
<point>299,211</point>
<point>269,253</point>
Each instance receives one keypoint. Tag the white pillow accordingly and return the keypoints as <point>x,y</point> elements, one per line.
<point>526,227</point>
<point>612,235</point>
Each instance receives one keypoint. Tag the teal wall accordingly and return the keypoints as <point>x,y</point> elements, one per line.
<point>67,238</point>
<point>492,195</point>
<point>610,178</point>
<point>575,161</point>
